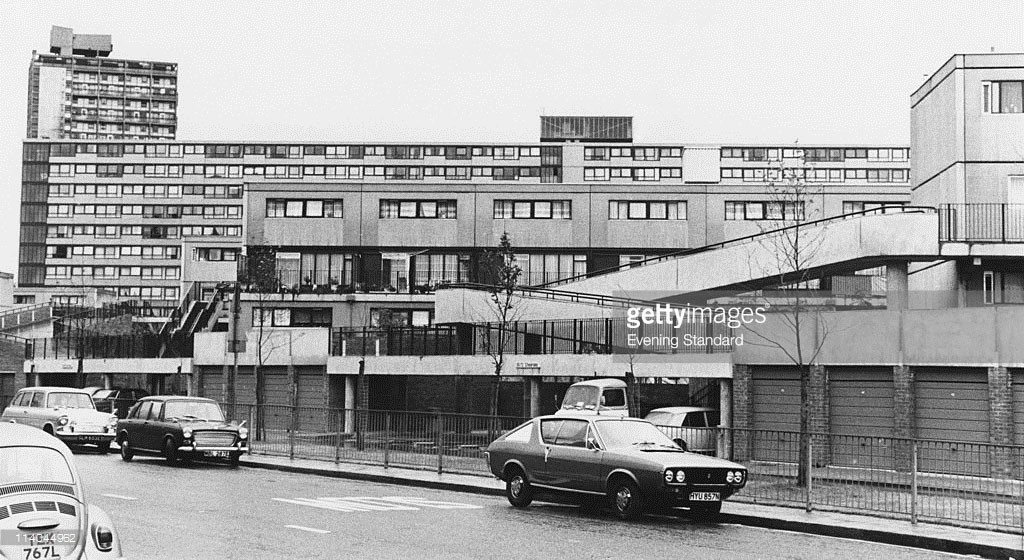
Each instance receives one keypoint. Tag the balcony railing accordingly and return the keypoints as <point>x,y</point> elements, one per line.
<point>981,223</point>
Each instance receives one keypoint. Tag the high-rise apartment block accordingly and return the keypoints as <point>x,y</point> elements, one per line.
<point>76,92</point>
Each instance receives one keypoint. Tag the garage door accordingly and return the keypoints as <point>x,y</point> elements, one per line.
<point>313,417</point>
<point>776,411</point>
<point>861,406</point>
<point>952,409</point>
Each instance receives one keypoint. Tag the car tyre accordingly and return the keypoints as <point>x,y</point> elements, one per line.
<point>103,448</point>
<point>518,489</point>
<point>627,500</point>
<point>127,453</point>
<point>170,452</point>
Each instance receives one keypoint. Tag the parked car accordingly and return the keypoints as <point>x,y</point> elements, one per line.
<point>43,513</point>
<point>596,396</point>
<point>692,424</point>
<point>181,428</point>
<point>64,412</point>
<point>117,401</point>
<point>629,461</point>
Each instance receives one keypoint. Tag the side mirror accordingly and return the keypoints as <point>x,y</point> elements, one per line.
<point>681,443</point>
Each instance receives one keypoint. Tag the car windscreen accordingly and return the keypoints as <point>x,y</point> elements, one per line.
<point>660,418</point>
<point>624,433</point>
<point>582,395</point>
<point>69,400</point>
<point>104,394</point>
<point>193,410</point>
<point>33,464</point>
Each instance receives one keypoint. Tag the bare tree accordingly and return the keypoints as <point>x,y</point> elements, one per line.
<point>787,251</point>
<point>503,303</point>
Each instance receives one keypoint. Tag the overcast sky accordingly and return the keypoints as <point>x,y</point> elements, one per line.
<point>758,71</point>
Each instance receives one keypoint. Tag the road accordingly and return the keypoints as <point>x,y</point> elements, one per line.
<point>213,511</point>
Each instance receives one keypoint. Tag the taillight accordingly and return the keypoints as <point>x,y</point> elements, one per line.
<point>103,537</point>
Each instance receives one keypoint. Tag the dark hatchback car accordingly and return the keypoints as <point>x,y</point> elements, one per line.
<point>627,461</point>
<point>181,429</point>
<point>117,401</point>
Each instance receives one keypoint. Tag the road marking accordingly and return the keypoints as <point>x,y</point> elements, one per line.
<point>119,497</point>
<point>307,529</point>
<point>367,504</point>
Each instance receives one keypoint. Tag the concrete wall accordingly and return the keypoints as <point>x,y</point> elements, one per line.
<point>299,346</point>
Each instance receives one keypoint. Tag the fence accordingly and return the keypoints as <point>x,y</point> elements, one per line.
<point>958,483</point>
<point>982,222</point>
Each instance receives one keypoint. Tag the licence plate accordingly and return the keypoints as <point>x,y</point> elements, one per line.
<point>705,497</point>
<point>216,454</point>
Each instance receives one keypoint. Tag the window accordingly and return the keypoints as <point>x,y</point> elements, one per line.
<point>439,209</point>
<point>596,154</point>
<point>524,209</point>
<point>595,173</point>
<point>792,211</point>
<point>646,154</point>
<point>849,207</point>
<point>431,269</point>
<point>277,208</point>
<point>540,268</point>
<point>624,210</point>
<point>1003,97</point>
<point>506,153</point>
<point>645,174</point>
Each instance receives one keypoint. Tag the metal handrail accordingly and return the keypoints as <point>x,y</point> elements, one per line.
<point>741,240</point>
<point>579,297</point>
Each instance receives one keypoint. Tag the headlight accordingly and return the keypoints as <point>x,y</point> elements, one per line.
<point>243,433</point>
<point>680,475</point>
<point>112,422</point>
<point>103,537</point>
<point>63,420</point>
<point>729,477</point>
<point>668,476</point>
<point>186,433</point>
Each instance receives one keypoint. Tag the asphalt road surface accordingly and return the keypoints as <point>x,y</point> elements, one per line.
<point>209,511</point>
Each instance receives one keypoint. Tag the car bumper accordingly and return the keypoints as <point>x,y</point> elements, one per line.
<point>85,437</point>
<point>681,494</point>
<point>205,448</point>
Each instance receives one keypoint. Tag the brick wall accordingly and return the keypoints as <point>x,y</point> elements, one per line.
<point>1000,399</point>
<point>818,417</point>
<point>742,411</point>
<point>904,415</point>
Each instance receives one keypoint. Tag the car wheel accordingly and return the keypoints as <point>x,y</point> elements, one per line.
<point>127,453</point>
<point>103,448</point>
<point>170,452</point>
<point>627,499</point>
<point>706,512</point>
<point>518,489</point>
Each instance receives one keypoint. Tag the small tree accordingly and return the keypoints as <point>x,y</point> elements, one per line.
<point>503,303</point>
<point>261,276</point>
<point>792,251</point>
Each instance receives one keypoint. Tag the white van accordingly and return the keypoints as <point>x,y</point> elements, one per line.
<point>596,396</point>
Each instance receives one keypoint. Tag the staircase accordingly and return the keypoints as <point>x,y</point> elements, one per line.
<point>192,315</point>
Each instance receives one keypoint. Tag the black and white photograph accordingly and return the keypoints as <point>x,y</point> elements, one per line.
<point>520,279</point>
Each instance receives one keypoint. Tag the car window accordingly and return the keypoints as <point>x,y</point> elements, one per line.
<point>202,410</point>
<point>69,400</point>
<point>714,418</point>
<point>549,429</point>
<point>154,413</point>
<point>614,397</point>
<point>33,464</point>
<point>18,399</point>
<point>573,433</point>
<point>521,434</point>
<point>695,420</point>
<point>659,418</point>
<point>103,394</point>
<point>37,399</point>
<point>580,395</point>
<point>142,412</point>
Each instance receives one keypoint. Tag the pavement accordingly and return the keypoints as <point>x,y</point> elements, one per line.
<point>942,538</point>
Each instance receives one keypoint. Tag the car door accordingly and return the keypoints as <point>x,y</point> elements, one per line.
<point>36,409</point>
<point>571,464</point>
<point>548,432</point>
<point>140,434</point>
<point>18,410</point>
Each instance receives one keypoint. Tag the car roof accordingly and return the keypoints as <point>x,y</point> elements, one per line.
<point>601,383</point>
<point>57,389</point>
<point>567,415</point>
<point>20,435</point>
<point>683,409</point>
<point>164,398</point>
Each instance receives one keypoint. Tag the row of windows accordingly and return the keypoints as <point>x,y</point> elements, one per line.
<point>817,154</point>
<point>164,252</point>
<point>631,173</point>
<point>146,232</point>
<point>115,272</point>
<point>849,207</point>
<point>637,154</point>
<point>161,211</point>
<point>292,317</point>
<point>278,208</point>
<point>757,210</point>
<point>818,175</point>
<point>440,209</point>
<point>215,254</point>
<point>298,171</point>
<point>296,152</point>
<point>625,210</point>
<point>147,292</point>
<point>533,209</point>
<point>69,190</point>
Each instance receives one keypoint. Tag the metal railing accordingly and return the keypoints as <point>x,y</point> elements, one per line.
<point>991,223</point>
<point>958,483</point>
<point>94,346</point>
